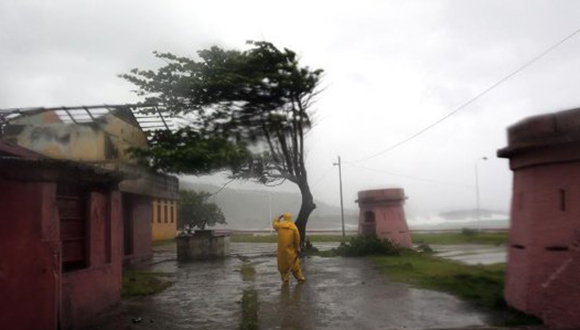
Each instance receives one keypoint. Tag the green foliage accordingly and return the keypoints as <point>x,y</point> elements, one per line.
<point>481,285</point>
<point>248,271</point>
<point>194,211</point>
<point>142,283</point>
<point>324,254</point>
<point>425,248</point>
<point>245,111</point>
<point>231,99</point>
<point>249,238</point>
<point>249,310</point>
<point>468,232</point>
<point>187,151</point>
<point>498,238</point>
<point>359,246</point>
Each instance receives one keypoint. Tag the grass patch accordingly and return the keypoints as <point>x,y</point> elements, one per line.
<point>142,283</point>
<point>248,272</point>
<point>323,254</point>
<point>481,285</point>
<point>498,238</point>
<point>249,310</point>
<point>418,238</point>
<point>250,238</point>
<point>164,242</point>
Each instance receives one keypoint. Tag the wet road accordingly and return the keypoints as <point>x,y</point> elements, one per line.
<point>349,293</point>
<point>340,293</point>
<point>472,254</point>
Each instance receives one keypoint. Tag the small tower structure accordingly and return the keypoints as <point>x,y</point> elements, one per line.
<point>543,271</point>
<point>382,214</point>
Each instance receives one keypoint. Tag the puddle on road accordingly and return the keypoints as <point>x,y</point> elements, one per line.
<point>340,293</point>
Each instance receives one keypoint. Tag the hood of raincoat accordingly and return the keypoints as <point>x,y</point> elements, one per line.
<point>286,222</point>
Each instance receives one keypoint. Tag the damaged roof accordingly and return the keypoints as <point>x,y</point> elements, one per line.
<point>148,117</point>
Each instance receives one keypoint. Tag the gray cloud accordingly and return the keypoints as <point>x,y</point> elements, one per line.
<point>392,67</point>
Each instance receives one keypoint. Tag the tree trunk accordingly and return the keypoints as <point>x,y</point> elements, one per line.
<point>305,209</point>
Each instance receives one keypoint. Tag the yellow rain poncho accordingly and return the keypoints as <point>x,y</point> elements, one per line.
<point>288,248</point>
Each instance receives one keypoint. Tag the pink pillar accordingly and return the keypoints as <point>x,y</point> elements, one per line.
<point>543,258</point>
<point>382,214</point>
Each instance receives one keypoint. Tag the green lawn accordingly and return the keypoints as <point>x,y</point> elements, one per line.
<point>250,238</point>
<point>418,238</point>
<point>481,285</point>
<point>249,310</point>
<point>163,242</point>
<point>143,283</point>
<point>460,238</point>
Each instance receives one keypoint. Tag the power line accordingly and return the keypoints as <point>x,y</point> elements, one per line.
<point>478,96</point>
<point>465,186</point>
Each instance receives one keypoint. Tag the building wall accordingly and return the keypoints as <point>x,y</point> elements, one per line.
<point>140,221</point>
<point>30,264</point>
<point>88,292</point>
<point>543,271</point>
<point>36,294</point>
<point>545,213</point>
<point>164,220</point>
<point>104,141</point>
<point>61,141</point>
<point>107,138</point>
<point>563,310</point>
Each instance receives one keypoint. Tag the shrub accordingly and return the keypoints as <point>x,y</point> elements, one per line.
<point>468,231</point>
<point>425,248</point>
<point>195,211</point>
<point>359,246</point>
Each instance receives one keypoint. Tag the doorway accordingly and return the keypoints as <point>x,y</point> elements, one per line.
<point>369,226</point>
<point>127,225</point>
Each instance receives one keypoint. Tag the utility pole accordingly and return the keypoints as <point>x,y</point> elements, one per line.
<point>270,205</point>
<point>477,195</point>
<point>339,164</point>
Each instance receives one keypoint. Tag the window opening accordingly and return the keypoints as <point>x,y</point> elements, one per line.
<point>165,211</point>
<point>159,212</point>
<point>562,199</point>
<point>71,203</point>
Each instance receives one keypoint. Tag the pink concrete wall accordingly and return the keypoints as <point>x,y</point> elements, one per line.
<point>142,215</point>
<point>543,271</point>
<point>35,294</point>
<point>387,205</point>
<point>540,231</point>
<point>563,310</point>
<point>88,292</point>
<point>29,261</point>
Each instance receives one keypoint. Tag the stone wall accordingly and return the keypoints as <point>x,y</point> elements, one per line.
<point>202,247</point>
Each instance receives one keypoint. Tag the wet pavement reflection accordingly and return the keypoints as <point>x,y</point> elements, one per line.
<point>472,254</point>
<point>340,293</point>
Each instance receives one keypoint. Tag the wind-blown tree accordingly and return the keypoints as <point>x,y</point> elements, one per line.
<point>195,211</point>
<point>255,105</point>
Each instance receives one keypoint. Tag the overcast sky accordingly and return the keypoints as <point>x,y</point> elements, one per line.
<point>392,68</point>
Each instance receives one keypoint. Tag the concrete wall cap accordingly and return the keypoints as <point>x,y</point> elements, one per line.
<point>375,195</point>
<point>543,130</point>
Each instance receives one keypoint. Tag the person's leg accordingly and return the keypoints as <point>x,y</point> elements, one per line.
<point>297,272</point>
<point>285,276</point>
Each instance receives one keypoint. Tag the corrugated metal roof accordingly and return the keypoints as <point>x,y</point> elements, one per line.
<point>147,116</point>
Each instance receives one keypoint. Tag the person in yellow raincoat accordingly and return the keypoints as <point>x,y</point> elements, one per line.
<point>288,248</point>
